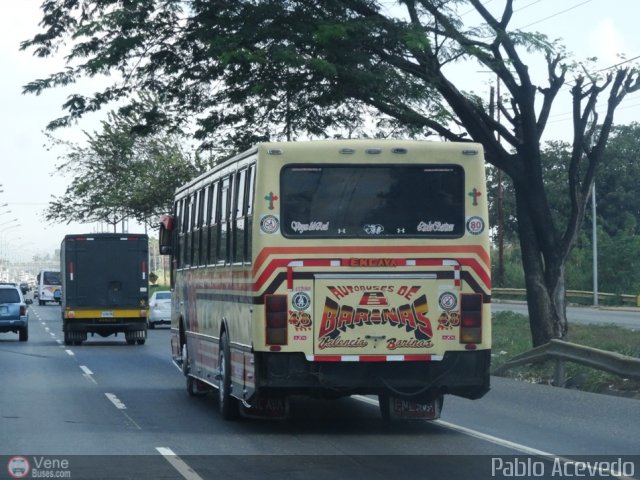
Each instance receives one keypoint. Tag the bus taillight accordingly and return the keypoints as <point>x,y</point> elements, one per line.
<point>276,317</point>
<point>471,318</point>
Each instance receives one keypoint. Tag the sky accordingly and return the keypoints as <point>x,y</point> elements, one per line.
<point>28,177</point>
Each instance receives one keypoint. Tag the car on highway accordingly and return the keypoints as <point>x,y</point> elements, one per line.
<point>13,311</point>
<point>159,309</point>
<point>24,287</point>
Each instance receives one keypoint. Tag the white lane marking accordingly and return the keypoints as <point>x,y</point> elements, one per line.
<point>176,462</point>
<point>47,329</point>
<point>498,441</point>
<point>86,370</point>
<point>59,342</point>
<point>473,433</point>
<point>116,401</point>
<point>69,352</point>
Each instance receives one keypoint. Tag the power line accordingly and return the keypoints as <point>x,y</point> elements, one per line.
<point>556,14</point>
<point>618,64</point>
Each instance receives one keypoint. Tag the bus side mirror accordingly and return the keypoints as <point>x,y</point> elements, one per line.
<point>166,235</point>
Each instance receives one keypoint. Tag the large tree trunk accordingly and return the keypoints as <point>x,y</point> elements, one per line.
<point>545,282</point>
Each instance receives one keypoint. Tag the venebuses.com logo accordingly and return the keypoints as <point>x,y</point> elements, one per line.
<point>38,467</point>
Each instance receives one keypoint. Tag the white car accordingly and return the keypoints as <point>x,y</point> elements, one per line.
<point>159,309</point>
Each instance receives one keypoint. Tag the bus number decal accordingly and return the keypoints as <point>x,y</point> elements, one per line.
<point>475,225</point>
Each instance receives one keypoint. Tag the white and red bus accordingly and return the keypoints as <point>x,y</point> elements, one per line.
<point>334,268</point>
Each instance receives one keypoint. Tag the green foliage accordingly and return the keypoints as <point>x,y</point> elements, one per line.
<point>119,175</point>
<point>618,210</point>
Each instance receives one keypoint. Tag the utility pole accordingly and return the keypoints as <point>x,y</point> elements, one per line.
<point>494,110</point>
<point>594,241</point>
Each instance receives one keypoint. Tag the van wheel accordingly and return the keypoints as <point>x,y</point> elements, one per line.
<point>227,404</point>
<point>23,334</point>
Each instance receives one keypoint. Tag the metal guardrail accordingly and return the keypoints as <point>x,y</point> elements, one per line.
<point>626,299</point>
<point>561,351</point>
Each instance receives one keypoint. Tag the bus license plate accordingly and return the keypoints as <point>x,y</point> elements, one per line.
<point>106,314</point>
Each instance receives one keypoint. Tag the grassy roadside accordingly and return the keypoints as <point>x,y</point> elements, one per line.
<point>511,336</point>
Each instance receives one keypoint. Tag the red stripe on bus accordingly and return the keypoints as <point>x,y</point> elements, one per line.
<point>372,358</point>
<point>282,263</point>
<point>293,251</point>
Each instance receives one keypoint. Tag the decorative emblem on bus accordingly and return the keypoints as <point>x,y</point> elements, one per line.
<point>300,301</point>
<point>448,301</point>
<point>269,224</point>
<point>271,198</point>
<point>474,194</point>
<point>475,225</point>
<point>373,229</point>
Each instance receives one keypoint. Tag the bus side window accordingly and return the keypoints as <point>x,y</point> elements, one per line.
<point>249,215</point>
<point>223,227</point>
<point>206,222</point>
<point>239,240</point>
<point>186,231</point>
<point>178,238</point>
<point>214,222</point>
<point>199,250</point>
<point>193,211</point>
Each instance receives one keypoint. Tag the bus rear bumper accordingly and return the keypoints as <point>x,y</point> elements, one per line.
<point>465,374</point>
<point>104,328</point>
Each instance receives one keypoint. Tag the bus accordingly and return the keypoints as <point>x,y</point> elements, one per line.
<point>48,287</point>
<point>333,268</point>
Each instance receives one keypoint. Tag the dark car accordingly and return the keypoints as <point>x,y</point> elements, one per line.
<point>13,312</point>
<point>24,287</point>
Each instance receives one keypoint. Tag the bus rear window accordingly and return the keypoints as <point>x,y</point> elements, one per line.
<point>356,201</point>
<point>51,278</point>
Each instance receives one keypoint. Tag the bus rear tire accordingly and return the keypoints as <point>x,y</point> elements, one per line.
<point>227,404</point>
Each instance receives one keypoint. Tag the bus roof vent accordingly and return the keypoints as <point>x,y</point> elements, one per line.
<point>275,151</point>
<point>399,151</point>
<point>374,151</point>
<point>470,152</point>
<point>347,151</point>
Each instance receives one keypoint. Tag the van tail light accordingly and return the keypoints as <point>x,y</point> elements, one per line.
<point>471,318</point>
<point>276,317</point>
<point>23,310</point>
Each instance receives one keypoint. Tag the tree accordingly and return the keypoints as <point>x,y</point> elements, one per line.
<point>274,68</point>
<point>120,175</point>
<point>618,213</point>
